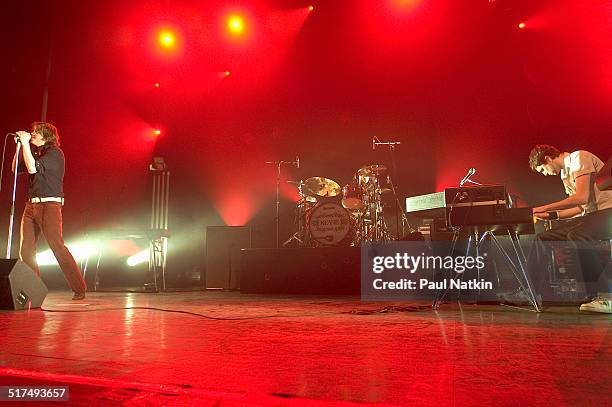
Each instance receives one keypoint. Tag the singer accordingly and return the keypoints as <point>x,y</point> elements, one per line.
<point>44,162</point>
<point>590,211</point>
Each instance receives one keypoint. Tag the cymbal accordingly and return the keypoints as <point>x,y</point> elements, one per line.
<point>321,186</point>
<point>371,170</point>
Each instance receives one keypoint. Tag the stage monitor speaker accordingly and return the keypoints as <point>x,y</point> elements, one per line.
<point>20,287</point>
<point>223,245</point>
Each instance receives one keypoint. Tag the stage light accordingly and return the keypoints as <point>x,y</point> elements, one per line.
<point>310,8</point>
<point>521,25</point>
<point>80,251</point>
<point>166,39</point>
<point>138,258</point>
<point>407,4</point>
<point>156,132</point>
<point>156,84</point>
<point>235,24</point>
<point>226,73</point>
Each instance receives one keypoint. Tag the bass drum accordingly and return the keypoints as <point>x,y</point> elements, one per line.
<point>329,224</point>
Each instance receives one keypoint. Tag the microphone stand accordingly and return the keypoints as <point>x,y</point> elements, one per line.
<point>471,182</point>
<point>12,216</point>
<point>278,164</point>
<point>400,211</point>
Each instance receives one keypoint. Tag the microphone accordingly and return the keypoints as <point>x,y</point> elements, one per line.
<point>297,161</point>
<point>15,136</point>
<point>465,179</point>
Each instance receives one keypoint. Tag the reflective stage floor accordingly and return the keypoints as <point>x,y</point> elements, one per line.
<point>228,349</point>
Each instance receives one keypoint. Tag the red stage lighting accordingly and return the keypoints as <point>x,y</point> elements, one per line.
<point>521,25</point>
<point>226,73</point>
<point>156,132</point>
<point>406,4</point>
<point>235,24</point>
<point>310,8</point>
<point>166,39</point>
<point>156,84</point>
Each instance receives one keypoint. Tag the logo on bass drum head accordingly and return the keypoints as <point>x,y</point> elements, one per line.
<point>329,223</point>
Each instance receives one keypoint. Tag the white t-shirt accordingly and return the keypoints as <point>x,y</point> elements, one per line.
<point>579,163</point>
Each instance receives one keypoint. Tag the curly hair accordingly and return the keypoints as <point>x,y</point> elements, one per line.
<point>537,154</point>
<point>48,131</point>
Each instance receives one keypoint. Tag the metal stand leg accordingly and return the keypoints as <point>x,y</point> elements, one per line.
<point>517,265</point>
<point>519,269</point>
<point>157,261</point>
<point>522,261</point>
<point>440,295</point>
<point>158,246</point>
<point>9,241</point>
<point>96,278</point>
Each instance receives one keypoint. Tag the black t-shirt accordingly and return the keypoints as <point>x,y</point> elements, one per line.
<point>49,177</point>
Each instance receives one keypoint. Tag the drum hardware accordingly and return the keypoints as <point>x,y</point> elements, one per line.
<point>320,187</point>
<point>352,196</point>
<point>329,215</point>
<point>376,142</point>
<point>279,165</point>
<point>303,206</point>
<point>372,224</point>
<point>401,219</point>
<point>371,170</point>
<point>313,192</point>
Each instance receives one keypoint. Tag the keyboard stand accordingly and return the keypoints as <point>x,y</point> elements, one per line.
<point>516,260</point>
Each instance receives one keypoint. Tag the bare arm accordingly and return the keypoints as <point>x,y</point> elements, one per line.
<point>28,158</point>
<point>581,197</point>
<point>561,214</point>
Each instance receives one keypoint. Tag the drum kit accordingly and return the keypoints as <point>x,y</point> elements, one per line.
<point>327,215</point>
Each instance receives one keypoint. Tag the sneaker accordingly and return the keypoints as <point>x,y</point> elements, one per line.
<point>598,304</point>
<point>78,296</point>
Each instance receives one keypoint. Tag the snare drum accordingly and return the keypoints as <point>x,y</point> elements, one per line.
<point>352,197</point>
<point>330,224</point>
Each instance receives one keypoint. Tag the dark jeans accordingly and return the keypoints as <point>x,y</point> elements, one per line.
<point>46,217</point>
<point>581,233</point>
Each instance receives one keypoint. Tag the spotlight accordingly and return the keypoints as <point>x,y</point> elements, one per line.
<point>310,8</point>
<point>235,24</point>
<point>156,84</point>
<point>80,250</point>
<point>166,39</point>
<point>138,258</point>
<point>521,25</point>
<point>156,132</point>
<point>226,73</point>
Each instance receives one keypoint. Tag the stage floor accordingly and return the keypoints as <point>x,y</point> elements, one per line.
<point>228,349</point>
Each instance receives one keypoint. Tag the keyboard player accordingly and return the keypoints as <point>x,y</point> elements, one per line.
<point>588,209</point>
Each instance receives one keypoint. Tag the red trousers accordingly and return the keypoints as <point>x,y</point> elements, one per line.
<point>46,217</point>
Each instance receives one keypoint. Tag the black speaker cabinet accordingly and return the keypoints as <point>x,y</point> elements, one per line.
<point>312,271</point>
<point>20,287</point>
<point>223,245</point>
